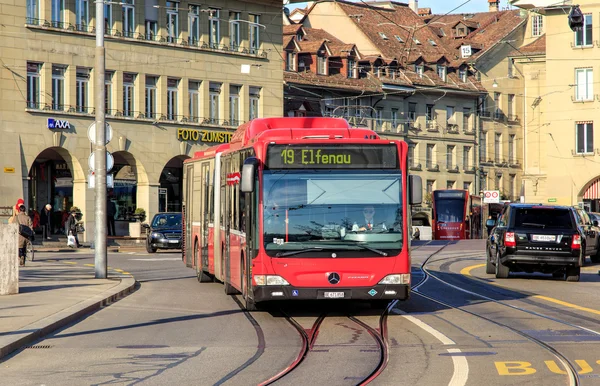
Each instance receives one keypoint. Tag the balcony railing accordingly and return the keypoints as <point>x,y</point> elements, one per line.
<point>485,114</point>
<point>452,169</point>
<point>452,128</point>
<point>513,118</point>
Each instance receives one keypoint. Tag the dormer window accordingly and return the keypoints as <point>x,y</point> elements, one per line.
<point>462,74</point>
<point>399,38</point>
<point>383,36</point>
<point>321,65</point>
<point>299,36</point>
<point>290,62</point>
<point>441,70</point>
<point>351,73</point>
<point>416,41</point>
<point>419,70</point>
<point>432,42</point>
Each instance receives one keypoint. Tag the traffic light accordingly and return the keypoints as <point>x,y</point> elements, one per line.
<point>575,18</point>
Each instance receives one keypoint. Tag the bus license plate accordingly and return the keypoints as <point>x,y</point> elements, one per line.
<point>544,238</point>
<point>333,295</point>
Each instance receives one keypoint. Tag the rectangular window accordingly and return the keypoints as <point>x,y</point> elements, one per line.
<point>412,112</point>
<point>151,30</point>
<point>194,100</point>
<point>290,62</point>
<point>82,15</point>
<point>584,84</point>
<point>511,148</point>
<point>411,155</point>
<point>466,157</point>
<point>194,21</point>
<point>483,146</point>
<point>467,119</point>
<point>394,118</point>
<point>128,94</point>
<point>58,13</point>
<point>214,36</point>
<point>234,31</point>
<point>462,75</point>
<point>441,71</point>
<point>151,83</point>
<point>378,118</point>
<point>450,120</point>
<point>585,138</point>
<point>467,186</point>
<point>58,87</point>
<point>450,157</point>
<point>128,18</point>
<point>321,65</point>
<point>254,35</point>
<point>214,95</point>
<point>450,184</point>
<point>429,116</point>
<point>33,85</point>
<point>33,12</point>
<point>511,107</point>
<point>82,90</point>
<point>583,36</point>
<point>497,147</point>
<point>430,185</point>
<point>172,99</point>
<point>254,102</point>
<point>429,154</point>
<point>234,105</point>
<point>108,93</point>
<point>419,70</point>
<point>537,25</point>
<point>511,186</point>
<point>497,111</point>
<point>172,21</point>
<point>108,19</point>
<point>351,70</point>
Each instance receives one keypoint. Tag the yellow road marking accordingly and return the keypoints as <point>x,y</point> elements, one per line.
<point>125,273</point>
<point>118,270</point>
<point>467,270</point>
<point>570,305</point>
<point>89,265</point>
<point>70,262</point>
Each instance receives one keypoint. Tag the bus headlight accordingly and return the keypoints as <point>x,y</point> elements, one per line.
<point>270,280</point>
<point>403,278</point>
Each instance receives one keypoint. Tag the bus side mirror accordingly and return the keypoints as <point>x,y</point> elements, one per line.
<point>490,223</point>
<point>248,175</point>
<point>415,190</point>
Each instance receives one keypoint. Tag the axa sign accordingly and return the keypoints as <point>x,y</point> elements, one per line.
<point>58,124</point>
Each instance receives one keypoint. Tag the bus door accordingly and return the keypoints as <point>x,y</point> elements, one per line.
<point>189,213</point>
<point>204,215</point>
<point>225,224</point>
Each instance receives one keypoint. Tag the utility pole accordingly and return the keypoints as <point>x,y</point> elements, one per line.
<point>100,255</point>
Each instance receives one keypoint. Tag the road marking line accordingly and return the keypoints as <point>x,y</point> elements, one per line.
<point>467,270</point>
<point>118,270</point>
<point>89,265</point>
<point>70,262</point>
<point>460,363</point>
<point>570,305</point>
<point>159,259</point>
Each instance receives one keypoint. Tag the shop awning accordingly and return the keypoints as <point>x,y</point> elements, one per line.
<point>593,191</point>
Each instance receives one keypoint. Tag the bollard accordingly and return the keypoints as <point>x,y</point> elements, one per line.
<point>9,259</point>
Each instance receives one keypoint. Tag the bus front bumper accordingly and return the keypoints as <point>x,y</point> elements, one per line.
<point>376,292</point>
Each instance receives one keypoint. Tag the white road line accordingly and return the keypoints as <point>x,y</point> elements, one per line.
<point>461,366</point>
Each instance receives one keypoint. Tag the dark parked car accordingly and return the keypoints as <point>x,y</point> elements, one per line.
<point>164,232</point>
<point>540,238</point>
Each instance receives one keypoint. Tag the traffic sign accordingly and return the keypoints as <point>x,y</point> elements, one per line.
<point>110,162</point>
<point>110,181</point>
<point>491,196</point>
<point>92,133</point>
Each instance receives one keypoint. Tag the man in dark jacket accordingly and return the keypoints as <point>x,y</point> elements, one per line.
<point>71,226</point>
<point>111,210</point>
<point>46,221</point>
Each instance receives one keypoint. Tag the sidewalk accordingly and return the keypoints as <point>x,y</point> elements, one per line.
<point>51,295</point>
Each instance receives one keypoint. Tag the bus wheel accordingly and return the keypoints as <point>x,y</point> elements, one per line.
<point>249,304</point>
<point>203,276</point>
<point>229,289</point>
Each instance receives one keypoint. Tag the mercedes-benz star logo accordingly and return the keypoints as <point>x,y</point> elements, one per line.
<point>334,278</point>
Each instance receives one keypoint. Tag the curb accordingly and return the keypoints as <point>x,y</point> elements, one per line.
<point>40,328</point>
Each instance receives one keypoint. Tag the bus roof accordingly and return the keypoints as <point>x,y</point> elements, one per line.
<point>288,128</point>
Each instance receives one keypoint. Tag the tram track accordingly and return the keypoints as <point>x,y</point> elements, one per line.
<point>570,368</point>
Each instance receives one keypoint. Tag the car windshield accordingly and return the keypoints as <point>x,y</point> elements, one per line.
<point>546,218</point>
<point>170,220</point>
<point>332,211</point>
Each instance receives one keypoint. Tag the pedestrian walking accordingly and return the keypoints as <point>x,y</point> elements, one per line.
<point>46,221</point>
<point>71,227</point>
<point>20,217</point>
<point>111,211</point>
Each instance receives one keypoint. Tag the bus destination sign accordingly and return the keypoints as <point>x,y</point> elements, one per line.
<point>354,156</point>
<point>449,194</point>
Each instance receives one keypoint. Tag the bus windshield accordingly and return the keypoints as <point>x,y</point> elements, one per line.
<point>334,213</point>
<point>450,210</point>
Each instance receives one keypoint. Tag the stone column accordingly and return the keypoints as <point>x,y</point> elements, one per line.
<point>9,259</point>
<point>147,198</point>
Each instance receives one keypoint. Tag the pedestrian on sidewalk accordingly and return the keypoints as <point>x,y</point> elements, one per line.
<point>71,226</point>
<point>111,211</point>
<point>20,217</point>
<point>46,222</point>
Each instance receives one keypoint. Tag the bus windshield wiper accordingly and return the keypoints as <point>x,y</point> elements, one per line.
<point>290,253</point>
<point>363,246</point>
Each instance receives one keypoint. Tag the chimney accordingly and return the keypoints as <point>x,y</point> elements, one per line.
<point>494,5</point>
<point>414,5</point>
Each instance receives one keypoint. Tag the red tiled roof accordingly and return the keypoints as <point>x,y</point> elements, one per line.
<point>310,46</point>
<point>291,29</point>
<point>537,47</point>
<point>319,34</point>
<point>332,81</point>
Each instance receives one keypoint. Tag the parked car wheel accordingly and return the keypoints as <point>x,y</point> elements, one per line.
<point>150,249</point>
<point>489,266</point>
<point>502,271</point>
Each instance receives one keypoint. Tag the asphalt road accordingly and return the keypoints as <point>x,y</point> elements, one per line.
<point>460,327</point>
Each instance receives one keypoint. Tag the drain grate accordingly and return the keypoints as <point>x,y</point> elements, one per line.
<point>38,346</point>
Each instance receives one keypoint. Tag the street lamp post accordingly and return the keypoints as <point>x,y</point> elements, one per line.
<point>100,255</point>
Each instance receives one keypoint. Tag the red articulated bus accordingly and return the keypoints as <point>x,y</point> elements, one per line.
<point>281,212</point>
<point>456,215</point>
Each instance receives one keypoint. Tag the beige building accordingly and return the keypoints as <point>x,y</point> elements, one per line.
<point>180,76</point>
<point>562,157</point>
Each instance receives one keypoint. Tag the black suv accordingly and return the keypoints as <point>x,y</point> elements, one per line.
<point>540,238</point>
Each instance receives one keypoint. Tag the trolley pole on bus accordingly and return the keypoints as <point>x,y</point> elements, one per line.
<point>100,255</point>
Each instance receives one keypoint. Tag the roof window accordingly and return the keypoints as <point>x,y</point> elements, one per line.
<point>433,43</point>
<point>383,36</point>
<point>399,38</point>
<point>416,41</point>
